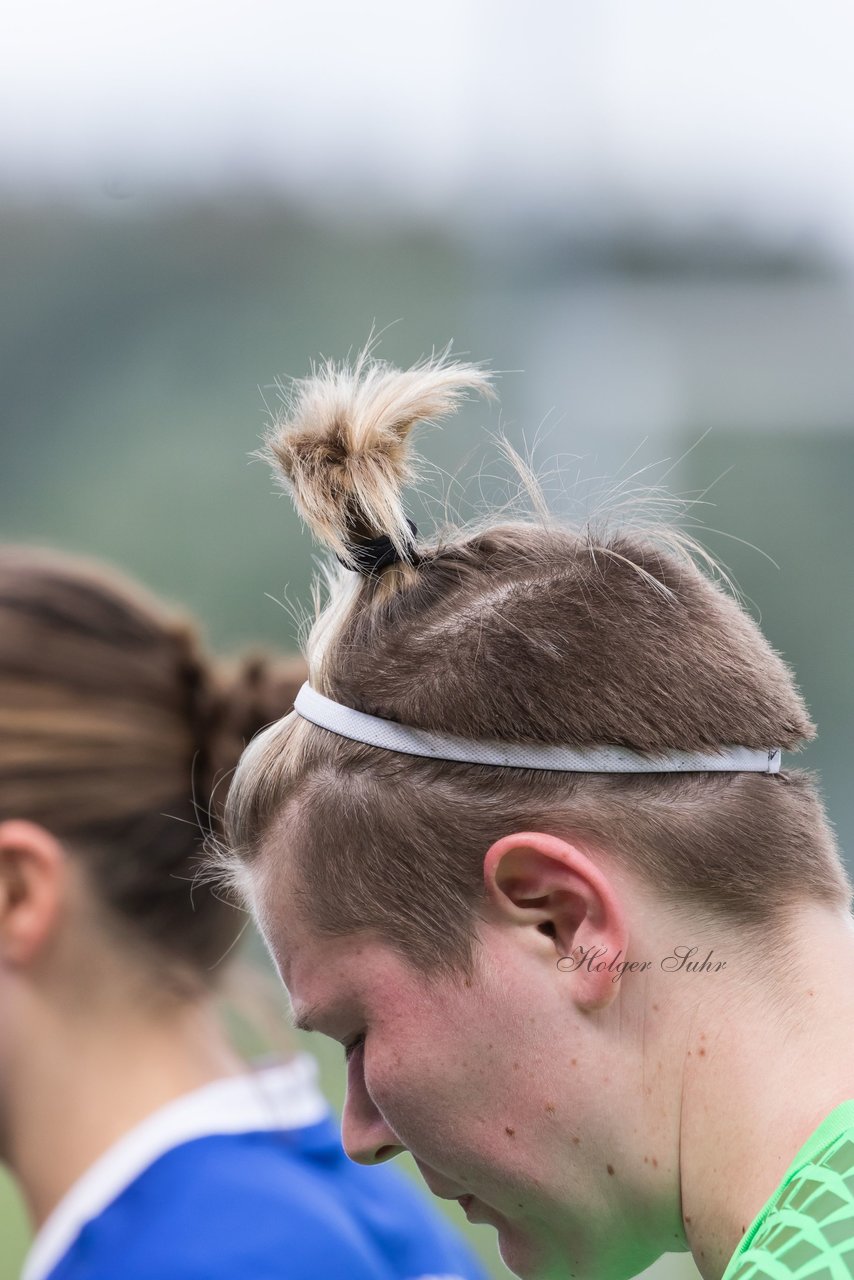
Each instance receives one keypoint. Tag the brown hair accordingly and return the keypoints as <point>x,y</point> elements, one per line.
<point>112,718</point>
<point>526,631</point>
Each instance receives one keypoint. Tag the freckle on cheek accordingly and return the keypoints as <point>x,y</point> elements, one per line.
<point>576,1139</point>
<point>550,1108</point>
<point>510,1132</point>
<point>574,1060</point>
<point>610,1169</point>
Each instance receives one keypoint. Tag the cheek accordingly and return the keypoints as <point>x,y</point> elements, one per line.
<point>455,1117</point>
<point>462,1090</point>
<point>410,1067</point>
<point>432,1088</point>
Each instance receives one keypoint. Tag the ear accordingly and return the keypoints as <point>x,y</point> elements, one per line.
<point>562,902</point>
<point>33,873</point>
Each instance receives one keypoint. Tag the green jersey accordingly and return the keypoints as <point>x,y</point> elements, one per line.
<point>806,1230</point>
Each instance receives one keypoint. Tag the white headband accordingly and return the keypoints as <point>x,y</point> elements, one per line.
<point>376,732</point>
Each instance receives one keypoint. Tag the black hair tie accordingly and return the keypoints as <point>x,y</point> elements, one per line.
<point>378,553</point>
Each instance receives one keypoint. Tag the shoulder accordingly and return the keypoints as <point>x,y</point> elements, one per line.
<point>261,1206</point>
<point>809,1226</point>
<point>226,1206</point>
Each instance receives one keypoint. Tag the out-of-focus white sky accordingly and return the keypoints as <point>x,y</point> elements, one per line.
<point>661,107</point>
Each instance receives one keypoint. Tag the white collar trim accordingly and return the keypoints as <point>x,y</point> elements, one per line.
<point>264,1098</point>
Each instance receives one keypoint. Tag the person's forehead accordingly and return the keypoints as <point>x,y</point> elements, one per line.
<point>350,981</point>
<point>316,969</point>
<point>327,975</point>
<point>270,887</point>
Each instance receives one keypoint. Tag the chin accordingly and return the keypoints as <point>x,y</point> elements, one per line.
<point>527,1258</point>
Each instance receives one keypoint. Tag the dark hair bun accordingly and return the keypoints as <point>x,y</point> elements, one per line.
<point>232,701</point>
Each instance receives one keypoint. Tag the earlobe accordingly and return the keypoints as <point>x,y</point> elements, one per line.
<point>574,912</point>
<point>32,878</point>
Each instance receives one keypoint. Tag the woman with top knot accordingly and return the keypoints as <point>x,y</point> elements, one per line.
<point>525,847</point>
<point>145,1147</point>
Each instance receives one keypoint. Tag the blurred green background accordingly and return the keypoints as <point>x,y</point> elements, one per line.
<point>639,215</point>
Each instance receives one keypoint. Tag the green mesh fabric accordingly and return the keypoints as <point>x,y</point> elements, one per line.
<point>806,1230</point>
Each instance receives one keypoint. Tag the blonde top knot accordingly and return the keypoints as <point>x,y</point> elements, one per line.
<point>341,446</point>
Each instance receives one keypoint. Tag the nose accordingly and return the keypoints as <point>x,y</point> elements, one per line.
<point>367,1137</point>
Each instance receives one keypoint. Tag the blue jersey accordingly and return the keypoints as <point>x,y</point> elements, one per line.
<point>256,1203</point>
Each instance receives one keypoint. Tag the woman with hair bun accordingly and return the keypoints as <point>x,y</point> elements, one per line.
<point>144,1144</point>
<point>525,847</point>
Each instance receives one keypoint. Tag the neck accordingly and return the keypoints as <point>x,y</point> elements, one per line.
<point>758,1076</point>
<point>79,1086</point>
